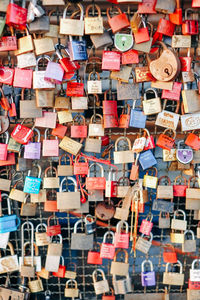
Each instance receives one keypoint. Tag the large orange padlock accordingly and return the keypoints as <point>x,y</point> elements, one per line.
<point>119,21</point>
<point>176,17</point>
<point>193,141</point>
<point>165,27</point>
<point>165,141</point>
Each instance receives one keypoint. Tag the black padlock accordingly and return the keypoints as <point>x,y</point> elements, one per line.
<point>90,226</point>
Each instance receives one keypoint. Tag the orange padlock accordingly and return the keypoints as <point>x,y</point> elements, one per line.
<point>176,17</point>
<point>119,21</point>
<point>165,141</point>
<point>193,141</point>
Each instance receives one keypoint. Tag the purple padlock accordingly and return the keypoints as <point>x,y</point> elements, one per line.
<point>184,155</point>
<point>54,73</point>
<point>33,150</point>
<point>148,278</point>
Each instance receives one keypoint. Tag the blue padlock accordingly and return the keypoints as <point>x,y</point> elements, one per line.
<point>8,223</point>
<point>147,159</point>
<point>137,118</point>
<point>77,49</point>
<point>32,184</point>
<point>148,278</point>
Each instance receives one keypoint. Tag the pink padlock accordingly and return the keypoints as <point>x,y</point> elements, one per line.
<point>121,238</point>
<point>108,249</point>
<point>33,150</point>
<point>4,147</point>
<point>54,73</point>
<point>147,225</point>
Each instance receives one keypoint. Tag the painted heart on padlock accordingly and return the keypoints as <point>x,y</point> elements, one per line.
<point>5,74</point>
<point>185,156</point>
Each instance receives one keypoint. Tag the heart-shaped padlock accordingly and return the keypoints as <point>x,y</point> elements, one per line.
<point>184,155</point>
<point>123,41</point>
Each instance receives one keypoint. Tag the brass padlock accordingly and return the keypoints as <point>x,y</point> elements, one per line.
<point>118,267</point>
<point>173,278</point>
<point>189,245</point>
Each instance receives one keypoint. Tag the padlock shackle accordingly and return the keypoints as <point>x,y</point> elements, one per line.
<point>91,6</point>
<point>46,57</point>
<point>164,177</point>
<point>151,236</point>
<point>35,248</point>
<point>150,90</point>
<point>109,233</point>
<point>180,177</point>
<point>27,223</point>
<point>39,170</point>
<point>76,225</point>
<point>78,116</point>
<point>194,262</point>
<point>10,246</point>
<point>125,180</point>
<point>40,226</point>
<point>178,211</point>
<point>49,169</point>
<point>8,202</point>
<point>6,133</point>
<point>191,232</point>
<point>94,274</point>
<point>49,219</point>
<point>38,134</point>
<point>86,219</point>
<point>46,134</point>
<point>96,164</point>
<point>149,217</point>
<point>94,116</point>
<point>120,225</point>
<point>167,130</point>
<point>123,138</point>
<point>125,254</point>
<point>80,9</point>
<point>72,264</point>
<point>175,264</point>
<point>96,74</point>
<point>105,96</point>
<point>193,179</point>
<point>153,171</point>
<point>108,11</point>
<point>65,155</point>
<point>147,261</point>
<point>113,173</point>
<point>60,237</point>
<point>65,179</point>
<point>78,157</point>
<point>71,281</point>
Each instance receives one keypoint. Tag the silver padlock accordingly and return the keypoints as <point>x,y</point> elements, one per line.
<point>184,155</point>
<point>178,224</point>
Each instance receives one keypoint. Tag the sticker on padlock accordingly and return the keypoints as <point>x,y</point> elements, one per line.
<point>183,154</point>
<point>147,225</point>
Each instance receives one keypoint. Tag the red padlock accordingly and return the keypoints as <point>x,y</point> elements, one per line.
<point>12,111</point>
<point>16,16</point>
<point>150,144</point>
<point>53,229</point>
<point>6,75</point>
<point>130,57</point>
<point>190,27</point>
<point>107,249</point>
<point>121,238</point>
<point>9,161</point>
<point>147,7</point>
<point>68,65</point>
<point>142,35</point>
<point>173,94</point>
<point>50,205</point>
<point>165,27</point>
<point>111,60</point>
<point>61,270</point>
<point>125,118</point>
<point>118,22</point>
<point>96,183</point>
<point>165,141</point>
<point>176,17</point>
<point>193,141</point>
<point>169,254</point>
<point>109,297</point>
<point>60,131</point>
<point>22,134</point>
<point>193,285</point>
<point>79,131</point>
<point>94,256</point>
<point>110,114</point>
<point>80,168</point>
<point>146,225</point>
<point>75,89</point>
<point>178,189</point>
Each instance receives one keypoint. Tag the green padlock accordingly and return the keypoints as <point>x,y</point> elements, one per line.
<point>123,41</point>
<point>2,25</point>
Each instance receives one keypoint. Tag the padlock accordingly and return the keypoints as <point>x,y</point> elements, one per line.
<point>77,49</point>
<point>167,118</point>
<point>118,22</point>
<point>50,147</point>
<point>195,3</point>
<point>33,149</point>
<point>189,27</point>
<point>16,194</point>
<point>109,297</point>
<point>146,225</point>
<point>41,238</point>
<point>50,204</point>
<point>16,15</point>
<point>164,222</point>
<point>93,145</point>
<point>195,273</point>
<point>39,81</point>
<point>165,8</point>
<point>27,270</point>
<point>71,289</point>
<point>143,245</point>
<point>184,155</point>
<point>6,75</point>
<point>127,91</point>
<point>111,60</point>
<point>28,259</point>
<point>122,286</point>
<point>26,60</point>
<point>111,185</point>
<point>101,40</point>
<point>23,78</point>
<point>22,134</point>
<point>43,45</point>
<point>28,209</point>
<point>188,94</point>
<point>148,278</point>
<point>50,182</point>
<point>79,131</point>
<point>53,230</point>
<point>150,178</point>
<point>40,25</point>
<point>125,118</point>
<point>94,86</point>
<point>70,145</point>
<point>90,225</point>
<point>110,114</point>
<point>35,285</point>
<point>123,41</point>
<point>122,157</point>
<point>164,191</point>
<point>79,103</point>
<point>173,278</point>
<point>122,211</point>
<point>147,7</point>
<point>142,35</point>
<point>192,194</point>
<point>165,141</point>
<point>64,198</point>
<point>75,89</point>
<point>169,254</point>
<point>100,286</point>
<point>9,263</point>
<point>81,241</point>
<point>61,270</point>
<point>23,164</point>
<point>65,62</point>
<point>137,118</point>
<point>165,27</point>
<point>71,26</point>
<point>151,106</point>
<point>121,238</point>
<point>54,73</point>
<point>25,44</point>
<point>130,57</point>
<point>44,98</point>
<point>193,141</point>
<point>28,108</point>
<point>176,16</point>
<point>96,129</point>
<point>81,167</point>
<point>9,222</point>
<point>178,189</point>
<point>160,69</point>
<point>8,43</point>
<point>108,249</point>
<point>93,25</point>
<point>123,187</point>
<point>65,170</point>
<point>59,131</point>
<point>147,159</point>
<point>54,253</point>
<point>32,184</point>
<point>94,256</point>
<point>95,183</point>
<point>4,147</point>
<point>71,271</point>
<point>178,224</point>
<point>186,61</point>
<point>189,245</point>
<point>119,267</point>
